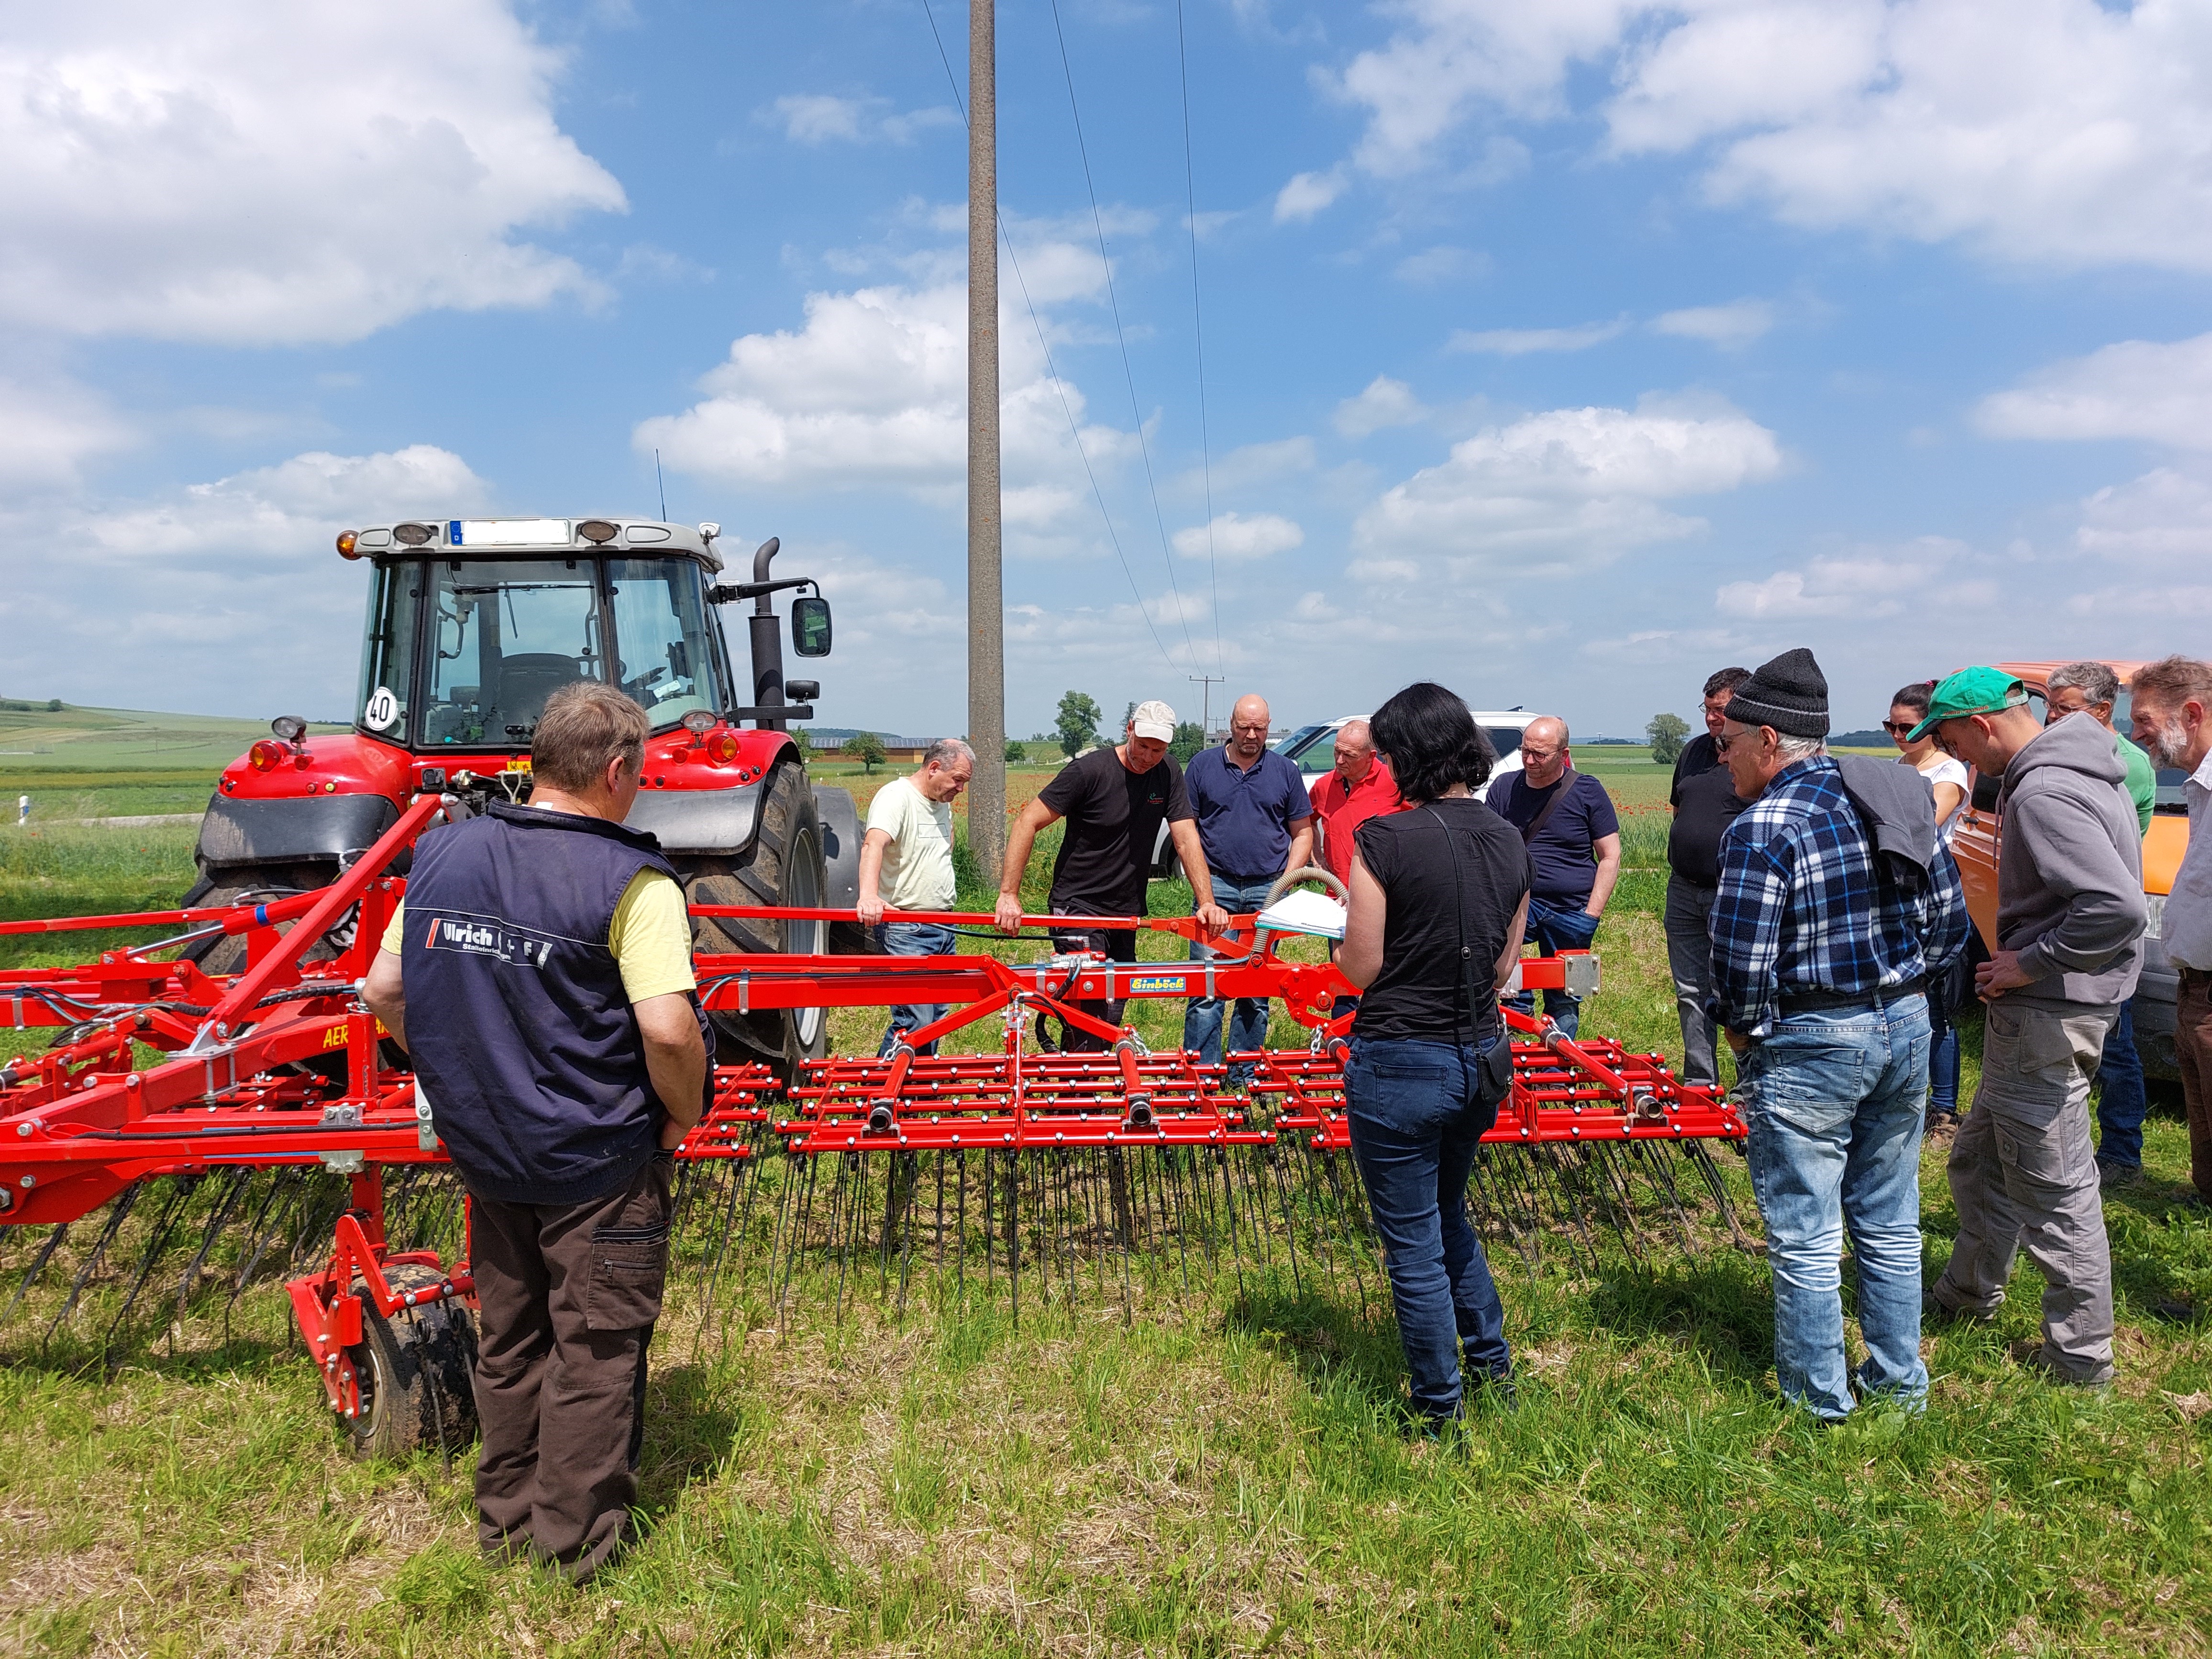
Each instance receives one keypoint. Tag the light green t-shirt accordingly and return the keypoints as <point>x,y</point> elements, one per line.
<point>2142,783</point>
<point>918,864</point>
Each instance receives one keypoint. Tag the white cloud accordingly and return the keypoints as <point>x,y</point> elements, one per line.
<point>1519,342</point>
<point>1570,488</point>
<point>1253,463</point>
<point>2137,389</point>
<point>241,173</point>
<point>1866,583</point>
<point>1385,403</point>
<point>48,430</point>
<point>236,594</point>
<point>1731,326</point>
<point>2068,132</point>
<point>2166,514</point>
<point>1306,194</point>
<point>1234,536</point>
<point>1434,266</point>
<point>821,119</point>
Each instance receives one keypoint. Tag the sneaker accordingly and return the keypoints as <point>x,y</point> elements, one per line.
<point>2034,1357</point>
<point>1934,1311</point>
<point>2115,1176</point>
<point>2177,1310</point>
<point>1941,1127</point>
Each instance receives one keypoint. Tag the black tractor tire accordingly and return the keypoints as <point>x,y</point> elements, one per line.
<point>238,884</point>
<point>783,865</point>
<point>413,1371</point>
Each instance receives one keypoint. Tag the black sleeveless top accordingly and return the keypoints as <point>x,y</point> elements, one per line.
<point>1431,912</point>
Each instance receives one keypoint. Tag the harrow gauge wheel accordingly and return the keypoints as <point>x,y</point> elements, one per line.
<point>413,1373</point>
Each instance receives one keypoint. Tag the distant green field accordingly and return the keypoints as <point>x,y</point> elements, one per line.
<point>81,739</point>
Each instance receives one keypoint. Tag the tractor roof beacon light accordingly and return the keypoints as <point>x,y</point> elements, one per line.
<point>347,544</point>
<point>708,530</point>
<point>597,531</point>
<point>413,535</point>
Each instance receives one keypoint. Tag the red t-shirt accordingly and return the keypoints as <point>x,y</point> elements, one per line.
<point>1343,808</point>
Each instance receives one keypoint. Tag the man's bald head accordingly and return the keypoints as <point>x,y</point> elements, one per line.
<point>1248,728</point>
<point>1355,750</point>
<point>1544,751</point>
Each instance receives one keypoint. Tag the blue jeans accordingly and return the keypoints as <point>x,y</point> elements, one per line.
<point>2122,1098</point>
<point>1947,994</point>
<point>1834,1111</point>
<point>913,939</point>
<point>1415,1127</point>
<point>1554,928</point>
<point>1202,1020</point>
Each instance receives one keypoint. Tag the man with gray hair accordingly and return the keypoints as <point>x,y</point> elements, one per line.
<point>906,864</point>
<point>1837,902</point>
<point>2123,1100</point>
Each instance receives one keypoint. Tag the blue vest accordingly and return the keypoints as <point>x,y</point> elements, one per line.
<point>517,1020</point>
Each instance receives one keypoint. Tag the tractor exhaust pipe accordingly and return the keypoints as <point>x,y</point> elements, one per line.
<point>767,641</point>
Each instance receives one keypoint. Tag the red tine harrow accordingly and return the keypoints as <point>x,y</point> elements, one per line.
<point>275,1131</point>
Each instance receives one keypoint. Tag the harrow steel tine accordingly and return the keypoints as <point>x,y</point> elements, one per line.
<point>1491,1181</point>
<point>118,1213</point>
<point>38,1266</point>
<point>218,1218</point>
<point>1659,1170</point>
<point>1703,1160</point>
<point>183,1191</point>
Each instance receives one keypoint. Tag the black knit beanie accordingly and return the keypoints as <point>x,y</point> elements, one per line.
<point>1789,694</point>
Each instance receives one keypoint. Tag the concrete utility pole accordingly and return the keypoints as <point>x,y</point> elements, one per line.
<point>1205,701</point>
<point>986,640</point>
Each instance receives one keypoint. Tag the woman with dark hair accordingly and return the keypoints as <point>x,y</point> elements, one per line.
<point>1948,779</point>
<point>1439,903</point>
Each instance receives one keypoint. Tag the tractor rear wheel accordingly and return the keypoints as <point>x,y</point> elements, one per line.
<point>243,883</point>
<point>413,1373</point>
<point>783,867</point>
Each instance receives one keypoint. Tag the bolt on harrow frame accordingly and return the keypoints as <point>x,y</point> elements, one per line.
<point>983,1166</point>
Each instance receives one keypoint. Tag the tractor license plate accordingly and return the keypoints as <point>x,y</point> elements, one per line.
<point>520,763</point>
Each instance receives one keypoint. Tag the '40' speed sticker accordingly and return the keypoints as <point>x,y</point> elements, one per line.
<point>383,710</point>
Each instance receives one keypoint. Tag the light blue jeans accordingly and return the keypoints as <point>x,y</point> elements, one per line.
<point>1202,1020</point>
<point>1834,1112</point>
<point>913,939</point>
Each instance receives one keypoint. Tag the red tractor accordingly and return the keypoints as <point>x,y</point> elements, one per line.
<point>472,624</point>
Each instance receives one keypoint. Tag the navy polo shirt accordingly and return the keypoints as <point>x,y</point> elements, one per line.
<point>1563,855</point>
<point>1244,817</point>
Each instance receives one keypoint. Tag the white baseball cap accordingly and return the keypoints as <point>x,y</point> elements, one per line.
<point>1153,719</point>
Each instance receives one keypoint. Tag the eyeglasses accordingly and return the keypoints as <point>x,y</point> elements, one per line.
<point>1898,728</point>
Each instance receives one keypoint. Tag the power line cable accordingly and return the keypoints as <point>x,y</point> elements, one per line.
<point>1136,410</point>
<point>1198,329</point>
<point>1051,372</point>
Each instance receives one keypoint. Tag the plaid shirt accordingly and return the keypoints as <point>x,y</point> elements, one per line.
<point>1805,905</point>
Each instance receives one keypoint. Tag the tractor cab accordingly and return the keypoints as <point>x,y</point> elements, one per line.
<point>473,624</point>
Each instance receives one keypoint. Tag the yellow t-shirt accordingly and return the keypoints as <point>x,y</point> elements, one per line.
<point>650,936</point>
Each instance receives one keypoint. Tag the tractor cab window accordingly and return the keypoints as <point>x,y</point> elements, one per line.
<point>667,665</point>
<point>387,659</point>
<point>504,635</point>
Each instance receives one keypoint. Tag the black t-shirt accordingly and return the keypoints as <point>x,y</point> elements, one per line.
<point>1706,803</point>
<point>1699,755</point>
<point>1113,817</point>
<point>1431,915</point>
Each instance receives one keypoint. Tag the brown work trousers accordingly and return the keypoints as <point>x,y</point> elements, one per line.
<point>566,1298</point>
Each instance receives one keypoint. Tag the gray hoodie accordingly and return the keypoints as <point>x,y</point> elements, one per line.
<point>2069,875</point>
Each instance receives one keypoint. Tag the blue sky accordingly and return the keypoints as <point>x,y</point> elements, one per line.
<point>1558,353</point>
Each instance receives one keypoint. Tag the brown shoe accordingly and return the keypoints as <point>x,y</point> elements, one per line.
<point>1941,1127</point>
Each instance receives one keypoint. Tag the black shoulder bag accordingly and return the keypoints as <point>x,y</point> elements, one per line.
<point>1477,985</point>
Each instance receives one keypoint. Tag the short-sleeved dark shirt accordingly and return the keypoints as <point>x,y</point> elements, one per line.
<point>1244,817</point>
<point>1431,914</point>
<point>1114,817</point>
<point>1706,803</point>
<point>1562,857</point>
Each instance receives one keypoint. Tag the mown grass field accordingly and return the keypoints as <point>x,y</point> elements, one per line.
<point>1217,1473</point>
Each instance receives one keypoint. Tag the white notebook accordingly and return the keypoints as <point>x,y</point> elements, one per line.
<point>1304,911</point>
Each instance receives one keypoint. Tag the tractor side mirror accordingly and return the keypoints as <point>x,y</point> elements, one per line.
<point>809,626</point>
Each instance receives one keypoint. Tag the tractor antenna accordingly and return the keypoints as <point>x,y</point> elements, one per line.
<point>663,482</point>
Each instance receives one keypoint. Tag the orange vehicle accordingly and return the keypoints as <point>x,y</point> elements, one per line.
<point>1980,831</point>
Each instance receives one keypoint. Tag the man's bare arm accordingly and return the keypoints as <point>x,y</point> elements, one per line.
<point>1607,848</point>
<point>384,993</point>
<point>871,906</point>
<point>675,1059</point>
<point>1302,844</point>
<point>1019,844</point>
<point>1184,833</point>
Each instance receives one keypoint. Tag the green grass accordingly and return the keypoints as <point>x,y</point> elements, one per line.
<point>1224,1475</point>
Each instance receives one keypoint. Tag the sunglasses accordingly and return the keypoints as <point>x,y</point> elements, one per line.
<point>1898,728</point>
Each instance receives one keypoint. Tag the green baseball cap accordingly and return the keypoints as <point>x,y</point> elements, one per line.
<point>1970,692</point>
